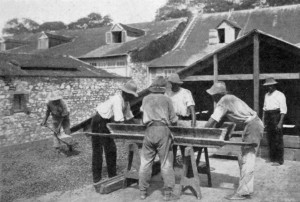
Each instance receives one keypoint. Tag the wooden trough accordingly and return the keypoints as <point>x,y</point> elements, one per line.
<point>193,138</point>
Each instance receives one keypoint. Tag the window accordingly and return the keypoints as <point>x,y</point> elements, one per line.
<point>221,33</point>
<point>121,63</point>
<point>102,64</point>
<point>117,37</point>
<point>111,63</point>
<point>20,103</point>
<point>168,72</point>
<point>93,63</point>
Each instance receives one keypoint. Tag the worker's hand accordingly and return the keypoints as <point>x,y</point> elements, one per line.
<point>279,126</point>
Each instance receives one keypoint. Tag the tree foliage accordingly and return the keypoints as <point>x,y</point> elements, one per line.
<point>48,26</point>
<point>93,20</point>
<point>25,25</point>
<point>19,26</point>
<point>180,8</point>
<point>170,12</point>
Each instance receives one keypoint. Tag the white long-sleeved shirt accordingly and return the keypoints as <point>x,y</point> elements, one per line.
<point>115,107</point>
<point>275,100</point>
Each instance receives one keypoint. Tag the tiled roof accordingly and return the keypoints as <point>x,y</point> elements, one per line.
<point>85,41</point>
<point>281,22</point>
<point>153,30</point>
<point>50,66</point>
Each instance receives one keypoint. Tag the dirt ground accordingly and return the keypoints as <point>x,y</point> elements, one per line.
<point>271,184</point>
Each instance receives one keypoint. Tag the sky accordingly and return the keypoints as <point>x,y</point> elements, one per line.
<point>123,11</point>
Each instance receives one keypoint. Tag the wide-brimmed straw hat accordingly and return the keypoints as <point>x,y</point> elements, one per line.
<point>270,81</point>
<point>217,88</point>
<point>54,95</point>
<point>158,85</point>
<point>130,87</point>
<point>174,78</point>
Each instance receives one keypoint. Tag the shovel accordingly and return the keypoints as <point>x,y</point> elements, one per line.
<point>70,146</point>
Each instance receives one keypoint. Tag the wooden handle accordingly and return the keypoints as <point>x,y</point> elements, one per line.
<point>240,143</point>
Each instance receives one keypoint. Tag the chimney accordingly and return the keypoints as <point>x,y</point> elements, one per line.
<point>213,37</point>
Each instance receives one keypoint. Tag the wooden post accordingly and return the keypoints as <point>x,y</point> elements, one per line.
<point>215,72</point>
<point>256,73</point>
<point>215,68</point>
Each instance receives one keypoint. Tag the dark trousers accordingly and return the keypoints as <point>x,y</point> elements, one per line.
<point>98,144</point>
<point>275,136</point>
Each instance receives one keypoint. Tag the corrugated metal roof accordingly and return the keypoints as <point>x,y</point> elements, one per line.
<point>282,22</point>
<point>50,66</point>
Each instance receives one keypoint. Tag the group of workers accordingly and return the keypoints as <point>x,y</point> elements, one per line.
<point>162,109</point>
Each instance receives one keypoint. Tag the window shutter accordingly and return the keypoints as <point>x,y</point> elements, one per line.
<point>108,38</point>
<point>123,36</point>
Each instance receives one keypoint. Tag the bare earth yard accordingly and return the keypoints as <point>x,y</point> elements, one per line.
<point>36,173</point>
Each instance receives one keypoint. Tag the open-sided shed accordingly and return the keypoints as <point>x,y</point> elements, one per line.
<point>243,65</point>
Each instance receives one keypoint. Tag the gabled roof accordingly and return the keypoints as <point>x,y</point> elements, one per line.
<point>48,66</point>
<point>153,30</point>
<point>58,37</point>
<point>233,24</point>
<point>85,41</point>
<point>131,31</point>
<point>281,22</point>
<point>237,45</point>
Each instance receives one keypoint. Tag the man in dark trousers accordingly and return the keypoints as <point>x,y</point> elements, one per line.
<point>274,111</point>
<point>240,113</point>
<point>158,114</point>
<point>115,109</point>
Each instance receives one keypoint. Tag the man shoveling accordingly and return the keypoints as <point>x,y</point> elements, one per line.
<point>60,116</point>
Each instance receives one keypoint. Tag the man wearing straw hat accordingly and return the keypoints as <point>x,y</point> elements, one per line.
<point>238,112</point>
<point>60,115</point>
<point>274,111</point>
<point>115,109</point>
<point>183,102</point>
<point>158,114</point>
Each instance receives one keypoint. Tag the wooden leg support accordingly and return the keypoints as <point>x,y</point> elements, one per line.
<point>205,169</point>
<point>132,171</point>
<point>192,183</point>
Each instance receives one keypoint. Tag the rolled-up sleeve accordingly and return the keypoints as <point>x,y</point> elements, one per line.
<point>219,112</point>
<point>189,99</point>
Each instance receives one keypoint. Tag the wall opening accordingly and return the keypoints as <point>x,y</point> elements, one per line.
<point>221,33</point>
<point>117,37</point>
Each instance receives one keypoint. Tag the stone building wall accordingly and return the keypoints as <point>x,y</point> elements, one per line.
<point>139,74</point>
<point>81,95</point>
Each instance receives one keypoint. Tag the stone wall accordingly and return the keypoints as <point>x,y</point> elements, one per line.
<point>139,74</point>
<point>81,95</point>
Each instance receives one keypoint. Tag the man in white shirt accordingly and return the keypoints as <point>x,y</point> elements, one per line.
<point>115,109</point>
<point>238,112</point>
<point>274,111</point>
<point>183,103</point>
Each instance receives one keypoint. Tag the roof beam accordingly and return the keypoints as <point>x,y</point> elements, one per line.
<point>232,77</point>
<point>223,53</point>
